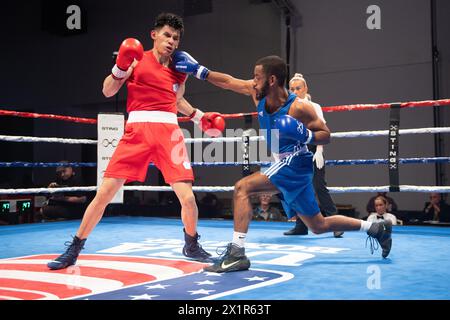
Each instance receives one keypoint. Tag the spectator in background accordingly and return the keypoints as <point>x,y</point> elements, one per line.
<point>391,205</point>
<point>169,198</point>
<point>68,205</point>
<point>436,209</point>
<point>381,213</point>
<point>264,211</point>
<point>210,205</point>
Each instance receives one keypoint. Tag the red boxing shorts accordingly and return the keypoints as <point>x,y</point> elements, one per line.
<point>151,136</point>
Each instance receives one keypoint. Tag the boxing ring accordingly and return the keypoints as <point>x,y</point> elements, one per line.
<point>139,258</point>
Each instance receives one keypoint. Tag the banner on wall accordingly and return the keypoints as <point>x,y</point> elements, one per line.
<point>110,130</point>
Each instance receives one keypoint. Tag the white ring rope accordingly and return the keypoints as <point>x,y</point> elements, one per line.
<point>403,188</point>
<point>51,140</point>
<point>379,133</point>
<point>221,139</point>
<point>349,134</point>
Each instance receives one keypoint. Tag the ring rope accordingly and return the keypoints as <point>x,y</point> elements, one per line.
<point>380,133</point>
<point>43,139</point>
<point>386,161</point>
<point>349,134</point>
<point>232,164</point>
<point>403,188</point>
<point>354,107</point>
<point>221,139</point>
<point>46,116</point>
<point>411,104</point>
<point>19,164</point>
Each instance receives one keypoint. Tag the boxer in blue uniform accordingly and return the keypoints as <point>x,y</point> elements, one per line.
<point>293,123</point>
<point>292,172</point>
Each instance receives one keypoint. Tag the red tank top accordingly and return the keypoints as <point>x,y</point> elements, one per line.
<point>153,87</point>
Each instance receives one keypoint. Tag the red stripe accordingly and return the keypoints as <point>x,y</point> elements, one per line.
<point>126,277</point>
<point>60,290</point>
<point>185,266</point>
<point>21,295</point>
<point>63,291</point>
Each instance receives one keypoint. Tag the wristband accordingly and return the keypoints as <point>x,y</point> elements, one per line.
<point>196,116</point>
<point>201,73</point>
<point>118,73</point>
<point>311,137</point>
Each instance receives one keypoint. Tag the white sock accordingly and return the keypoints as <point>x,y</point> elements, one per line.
<point>239,239</point>
<point>365,225</point>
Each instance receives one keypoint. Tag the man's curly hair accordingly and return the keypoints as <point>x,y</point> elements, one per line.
<point>169,19</point>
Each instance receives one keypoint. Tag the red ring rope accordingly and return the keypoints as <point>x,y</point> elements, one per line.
<point>46,116</point>
<point>353,107</point>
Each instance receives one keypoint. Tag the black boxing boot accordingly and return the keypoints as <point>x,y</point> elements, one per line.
<point>382,233</point>
<point>192,249</point>
<point>232,259</point>
<point>69,257</point>
<point>299,229</point>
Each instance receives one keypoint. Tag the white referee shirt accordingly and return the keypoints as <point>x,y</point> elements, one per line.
<point>318,110</point>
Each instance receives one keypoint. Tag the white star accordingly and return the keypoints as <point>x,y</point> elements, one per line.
<point>213,274</point>
<point>206,282</point>
<point>255,278</point>
<point>158,286</point>
<point>143,297</point>
<point>201,291</point>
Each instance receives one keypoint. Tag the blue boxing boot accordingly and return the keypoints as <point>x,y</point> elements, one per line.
<point>69,257</point>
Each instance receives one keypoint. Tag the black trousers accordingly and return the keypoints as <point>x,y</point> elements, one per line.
<point>326,203</point>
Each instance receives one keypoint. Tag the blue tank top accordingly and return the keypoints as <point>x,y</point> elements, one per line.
<point>266,121</point>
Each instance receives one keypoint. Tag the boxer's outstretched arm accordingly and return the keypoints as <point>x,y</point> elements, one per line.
<point>184,62</point>
<point>228,82</point>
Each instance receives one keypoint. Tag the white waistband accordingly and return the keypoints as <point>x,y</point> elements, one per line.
<point>152,116</point>
<point>280,156</point>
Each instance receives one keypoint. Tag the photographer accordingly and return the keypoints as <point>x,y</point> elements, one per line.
<point>61,206</point>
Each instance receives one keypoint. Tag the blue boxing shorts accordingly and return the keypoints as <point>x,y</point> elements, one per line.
<point>293,177</point>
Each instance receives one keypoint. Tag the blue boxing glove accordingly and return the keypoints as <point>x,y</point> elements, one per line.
<point>184,62</point>
<point>291,128</point>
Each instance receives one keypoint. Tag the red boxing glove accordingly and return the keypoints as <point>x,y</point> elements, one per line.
<point>129,50</point>
<point>210,122</point>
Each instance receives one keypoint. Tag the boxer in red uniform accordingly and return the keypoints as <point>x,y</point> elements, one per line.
<point>152,134</point>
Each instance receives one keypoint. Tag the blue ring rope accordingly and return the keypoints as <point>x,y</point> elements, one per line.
<point>231,164</point>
